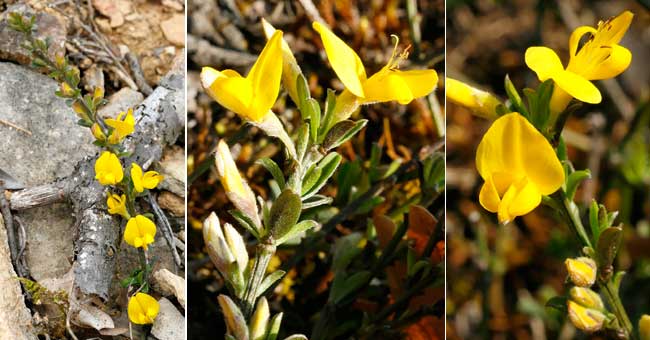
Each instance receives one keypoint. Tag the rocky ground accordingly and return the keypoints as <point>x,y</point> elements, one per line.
<point>126,47</point>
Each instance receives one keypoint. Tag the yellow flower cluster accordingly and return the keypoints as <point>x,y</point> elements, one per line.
<point>122,126</point>
<point>142,309</point>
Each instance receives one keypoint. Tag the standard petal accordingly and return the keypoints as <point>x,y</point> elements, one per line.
<point>577,86</point>
<point>345,62</point>
<point>544,61</point>
<point>229,89</point>
<point>501,147</point>
<point>265,77</point>
<point>618,26</point>
<point>617,62</point>
<point>574,40</point>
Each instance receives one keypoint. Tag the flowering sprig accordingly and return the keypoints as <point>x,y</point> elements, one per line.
<point>312,162</point>
<point>109,134</point>
<point>523,161</point>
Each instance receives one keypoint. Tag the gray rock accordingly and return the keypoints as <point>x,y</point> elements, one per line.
<point>170,323</point>
<point>48,25</point>
<point>52,150</point>
<point>172,166</point>
<point>121,101</point>
<point>15,318</point>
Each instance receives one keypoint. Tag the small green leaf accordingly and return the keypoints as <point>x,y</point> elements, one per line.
<point>313,110</point>
<point>311,177</point>
<point>284,213</point>
<point>606,250</point>
<point>593,221</point>
<point>515,99</point>
<point>302,141</point>
<point>574,180</point>
<point>303,95</point>
<point>269,280</point>
<point>351,283</point>
<point>272,167</point>
<point>558,302</point>
<point>315,201</point>
<point>327,165</point>
<point>245,222</point>
<point>330,103</point>
<point>297,229</point>
<point>341,132</point>
<point>274,327</point>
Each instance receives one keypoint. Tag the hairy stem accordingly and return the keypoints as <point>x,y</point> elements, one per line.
<point>262,258</point>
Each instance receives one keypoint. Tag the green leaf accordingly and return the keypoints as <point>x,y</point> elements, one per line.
<point>315,201</point>
<point>574,180</point>
<point>269,280</point>
<point>326,121</point>
<point>559,303</point>
<point>245,222</point>
<point>284,213</point>
<point>303,95</point>
<point>297,229</point>
<point>345,250</point>
<point>350,284</point>
<point>515,100</point>
<point>313,110</point>
<point>274,327</point>
<point>606,250</point>
<point>341,132</point>
<point>327,167</point>
<point>272,167</point>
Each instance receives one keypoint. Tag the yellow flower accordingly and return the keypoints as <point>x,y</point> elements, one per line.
<point>386,85</point>
<point>149,180</point>
<point>518,166</point>
<point>260,319</point>
<point>482,103</point>
<point>582,271</point>
<point>586,319</point>
<point>143,309</point>
<point>139,232</point>
<point>252,96</point>
<point>123,126</point>
<point>601,57</point>
<point>644,327</point>
<point>117,205</point>
<point>108,169</point>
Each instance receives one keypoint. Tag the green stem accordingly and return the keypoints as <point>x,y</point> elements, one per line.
<point>614,301</point>
<point>575,223</point>
<point>262,258</point>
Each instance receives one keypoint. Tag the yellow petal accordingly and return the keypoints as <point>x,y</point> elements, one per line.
<point>139,231</point>
<point>577,86</point>
<point>151,179</point>
<point>108,169</point>
<point>489,197</point>
<point>617,62</point>
<point>265,77</point>
<point>543,61</point>
<point>526,198</point>
<point>229,89</point>
<point>346,63</point>
<point>402,86</point>
<point>617,27</point>
<point>290,68</point>
<point>577,34</point>
<point>142,309</point>
<point>136,177</point>
<point>644,327</point>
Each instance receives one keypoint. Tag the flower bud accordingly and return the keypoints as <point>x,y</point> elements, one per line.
<point>237,246</point>
<point>582,271</point>
<point>235,322</point>
<point>215,241</point>
<point>260,320</point>
<point>482,103</point>
<point>586,319</point>
<point>80,109</point>
<point>66,90</point>
<point>587,298</point>
<point>97,132</point>
<point>644,327</point>
<point>236,187</point>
